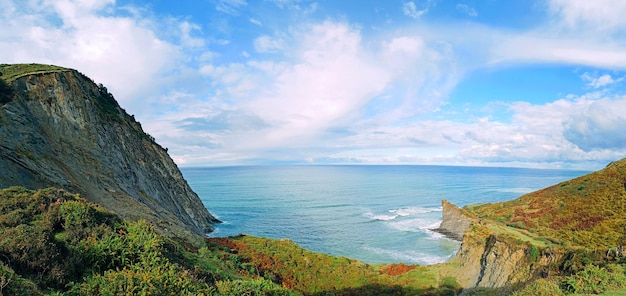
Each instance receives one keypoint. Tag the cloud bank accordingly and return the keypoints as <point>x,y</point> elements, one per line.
<point>333,91</point>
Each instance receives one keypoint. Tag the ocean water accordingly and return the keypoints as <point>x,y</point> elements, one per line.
<point>376,214</point>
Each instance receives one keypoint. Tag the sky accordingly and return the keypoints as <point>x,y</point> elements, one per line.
<point>267,82</point>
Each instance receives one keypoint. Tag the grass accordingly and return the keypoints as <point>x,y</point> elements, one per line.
<point>15,71</point>
<point>311,273</point>
<point>520,234</point>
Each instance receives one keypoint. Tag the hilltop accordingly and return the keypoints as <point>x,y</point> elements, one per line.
<point>586,212</point>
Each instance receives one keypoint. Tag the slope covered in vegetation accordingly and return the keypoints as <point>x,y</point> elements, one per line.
<point>573,233</point>
<point>58,128</point>
<point>54,242</point>
<point>588,211</point>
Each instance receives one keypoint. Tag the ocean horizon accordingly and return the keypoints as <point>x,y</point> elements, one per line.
<point>372,213</point>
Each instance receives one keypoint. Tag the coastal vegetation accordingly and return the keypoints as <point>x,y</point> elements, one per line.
<point>53,242</point>
<point>11,72</point>
<point>586,212</point>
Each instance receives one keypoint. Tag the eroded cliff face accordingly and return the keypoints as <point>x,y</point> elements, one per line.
<point>61,129</point>
<point>488,258</point>
<point>455,221</point>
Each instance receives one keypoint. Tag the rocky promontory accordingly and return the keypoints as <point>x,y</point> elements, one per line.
<point>455,221</point>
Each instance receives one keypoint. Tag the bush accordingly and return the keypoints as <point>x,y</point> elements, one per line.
<point>141,279</point>
<point>6,92</point>
<point>595,280</point>
<point>540,287</point>
<point>253,288</point>
<point>13,284</point>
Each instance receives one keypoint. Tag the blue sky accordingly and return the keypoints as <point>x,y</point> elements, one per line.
<point>242,82</point>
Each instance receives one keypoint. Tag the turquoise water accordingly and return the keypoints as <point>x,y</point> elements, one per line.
<point>377,214</point>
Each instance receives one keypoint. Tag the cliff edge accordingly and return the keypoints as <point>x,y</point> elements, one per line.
<point>58,128</point>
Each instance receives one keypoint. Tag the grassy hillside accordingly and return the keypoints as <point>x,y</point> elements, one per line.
<point>581,221</point>
<point>588,211</point>
<point>55,243</point>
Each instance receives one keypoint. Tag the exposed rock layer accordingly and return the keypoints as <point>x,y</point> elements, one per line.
<point>61,129</point>
<point>487,258</point>
<point>455,221</point>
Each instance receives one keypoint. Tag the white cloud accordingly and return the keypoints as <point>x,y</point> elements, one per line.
<point>230,6</point>
<point>123,53</point>
<point>598,126</point>
<point>468,10</point>
<point>411,10</point>
<point>186,29</point>
<point>599,15</point>
<point>588,33</point>
<point>551,47</point>
<point>297,5</point>
<point>595,81</point>
<point>267,44</point>
<point>330,91</point>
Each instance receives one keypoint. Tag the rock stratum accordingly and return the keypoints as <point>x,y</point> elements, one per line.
<point>58,128</point>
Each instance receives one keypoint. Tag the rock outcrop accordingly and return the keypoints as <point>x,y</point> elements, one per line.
<point>455,221</point>
<point>61,129</point>
<point>489,257</point>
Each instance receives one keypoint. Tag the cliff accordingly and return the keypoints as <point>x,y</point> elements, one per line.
<point>58,128</point>
<point>559,230</point>
<point>455,221</point>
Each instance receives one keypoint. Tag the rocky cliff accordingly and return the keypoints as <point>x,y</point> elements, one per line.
<point>493,255</point>
<point>455,221</point>
<point>58,128</point>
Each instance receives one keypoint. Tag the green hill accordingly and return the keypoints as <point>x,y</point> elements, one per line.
<point>588,211</point>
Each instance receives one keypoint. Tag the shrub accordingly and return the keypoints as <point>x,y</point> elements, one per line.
<point>6,92</point>
<point>252,287</point>
<point>141,279</point>
<point>532,252</point>
<point>540,287</point>
<point>594,279</point>
<point>13,284</point>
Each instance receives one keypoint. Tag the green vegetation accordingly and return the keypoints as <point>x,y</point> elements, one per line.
<point>591,280</point>
<point>585,212</point>
<point>15,71</point>
<point>310,273</point>
<point>56,243</point>
<point>52,241</point>
<point>107,105</point>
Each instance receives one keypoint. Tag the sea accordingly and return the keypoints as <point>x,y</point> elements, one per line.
<point>372,213</point>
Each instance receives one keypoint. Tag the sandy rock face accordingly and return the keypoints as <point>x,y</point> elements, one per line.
<point>455,221</point>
